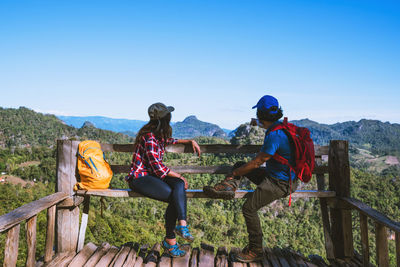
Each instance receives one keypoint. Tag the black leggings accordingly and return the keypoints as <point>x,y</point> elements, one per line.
<point>170,190</point>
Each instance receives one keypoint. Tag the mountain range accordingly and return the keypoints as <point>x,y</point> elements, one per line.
<point>25,127</point>
<point>188,128</point>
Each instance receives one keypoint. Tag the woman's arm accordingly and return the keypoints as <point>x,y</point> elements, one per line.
<point>195,146</point>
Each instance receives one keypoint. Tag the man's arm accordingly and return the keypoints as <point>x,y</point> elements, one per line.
<point>251,165</point>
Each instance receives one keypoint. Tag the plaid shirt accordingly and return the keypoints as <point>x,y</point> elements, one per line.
<point>147,157</point>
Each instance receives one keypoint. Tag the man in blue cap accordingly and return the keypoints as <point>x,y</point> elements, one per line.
<point>272,180</point>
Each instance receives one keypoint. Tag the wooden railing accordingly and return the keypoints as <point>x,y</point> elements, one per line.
<point>382,224</point>
<point>335,202</point>
<point>10,222</point>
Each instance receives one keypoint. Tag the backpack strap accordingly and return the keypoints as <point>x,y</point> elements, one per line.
<point>281,159</point>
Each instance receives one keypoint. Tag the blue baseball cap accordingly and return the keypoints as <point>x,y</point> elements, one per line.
<point>266,102</point>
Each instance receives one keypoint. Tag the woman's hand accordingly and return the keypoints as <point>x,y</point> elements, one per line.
<point>196,147</point>
<point>185,181</point>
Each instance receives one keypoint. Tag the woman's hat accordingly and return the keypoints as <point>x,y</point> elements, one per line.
<point>159,110</point>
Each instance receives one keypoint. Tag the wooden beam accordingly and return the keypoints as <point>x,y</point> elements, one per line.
<point>216,148</point>
<point>31,241</point>
<point>11,247</point>
<point>382,251</point>
<point>70,202</point>
<point>364,239</point>
<point>51,218</point>
<point>29,210</point>
<point>372,213</point>
<point>196,193</point>
<point>194,170</point>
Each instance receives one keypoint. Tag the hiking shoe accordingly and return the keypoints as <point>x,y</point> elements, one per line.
<point>250,254</point>
<point>225,189</point>
<point>173,250</point>
<point>183,231</point>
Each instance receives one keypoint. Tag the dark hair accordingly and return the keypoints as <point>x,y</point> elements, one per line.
<point>159,127</point>
<point>267,116</point>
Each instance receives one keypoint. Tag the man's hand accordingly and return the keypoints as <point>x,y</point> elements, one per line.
<point>251,165</point>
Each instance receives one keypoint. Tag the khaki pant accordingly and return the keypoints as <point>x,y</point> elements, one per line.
<point>268,189</point>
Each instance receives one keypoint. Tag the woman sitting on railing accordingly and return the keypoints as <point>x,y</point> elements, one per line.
<point>150,177</point>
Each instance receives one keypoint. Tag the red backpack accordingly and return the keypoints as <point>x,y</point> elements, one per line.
<point>302,150</point>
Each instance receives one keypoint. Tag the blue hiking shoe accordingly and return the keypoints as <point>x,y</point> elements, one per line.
<point>183,231</point>
<point>173,250</point>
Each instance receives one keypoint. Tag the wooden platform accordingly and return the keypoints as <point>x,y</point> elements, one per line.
<point>205,256</point>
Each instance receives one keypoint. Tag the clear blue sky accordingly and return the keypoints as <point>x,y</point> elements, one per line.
<point>329,61</point>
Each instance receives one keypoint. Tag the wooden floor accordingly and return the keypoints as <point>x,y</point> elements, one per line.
<point>205,256</point>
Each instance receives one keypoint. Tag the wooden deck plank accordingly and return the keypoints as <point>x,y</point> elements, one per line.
<point>273,258</point>
<point>67,260</point>
<point>255,264</point>
<point>98,254</point>
<point>232,258</point>
<point>221,259</point>
<point>165,260</point>
<point>83,256</point>
<point>194,259</point>
<point>206,256</point>
<point>131,258</point>
<point>152,257</point>
<point>120,258</point>
<point>182,261</point>
<point>141,255</point>
<point>60,259</point>
<point>108,257</point>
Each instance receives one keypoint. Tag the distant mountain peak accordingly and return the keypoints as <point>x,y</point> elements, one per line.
<point>191,118</point>
<point>88,124</point>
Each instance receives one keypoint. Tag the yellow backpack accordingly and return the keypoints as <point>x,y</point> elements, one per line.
<point>93,169</point>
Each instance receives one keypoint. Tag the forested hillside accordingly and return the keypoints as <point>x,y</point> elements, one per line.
<point>28,151</point>
<point>24,127</point>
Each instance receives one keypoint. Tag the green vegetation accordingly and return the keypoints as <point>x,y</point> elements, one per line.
<point>216,222</point>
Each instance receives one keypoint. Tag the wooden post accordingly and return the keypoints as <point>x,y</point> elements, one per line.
<point>31,241</point>
<point>364,239</point>
<point>51,218</point>
<point>11,247</point>
<point>382,251</point>
<point>325,217</point>
<point>397,240</point>
<point>339,181</point>
<point>67,226</point>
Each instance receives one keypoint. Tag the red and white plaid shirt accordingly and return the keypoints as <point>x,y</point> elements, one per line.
<point>147,157</point>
